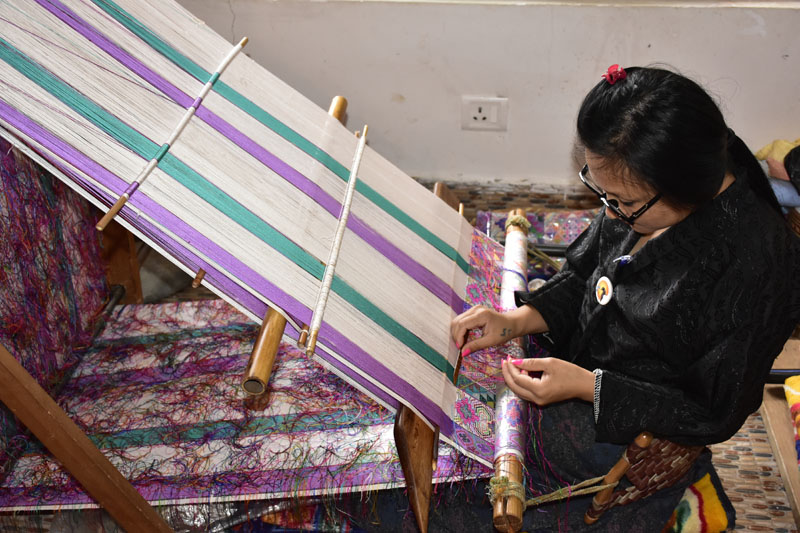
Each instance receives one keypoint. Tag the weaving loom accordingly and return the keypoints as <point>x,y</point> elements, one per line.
<point>250,193</point>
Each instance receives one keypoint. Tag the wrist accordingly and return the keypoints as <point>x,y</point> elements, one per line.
<point>527,320</point>
<point>587,385</point>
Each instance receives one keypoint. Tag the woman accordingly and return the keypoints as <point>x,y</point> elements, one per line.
<point>673,304</point>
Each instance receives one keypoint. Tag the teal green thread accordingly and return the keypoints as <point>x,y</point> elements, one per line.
<point>193,181</point>
<point>161,152</point>
<point>280,128</point>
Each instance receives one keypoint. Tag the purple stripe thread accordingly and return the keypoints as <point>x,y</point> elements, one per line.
<point>417,271</point>
<point>357,356</point>
<point>131,188</point>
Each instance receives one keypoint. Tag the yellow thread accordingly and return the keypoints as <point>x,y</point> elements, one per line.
<point>518,220</point>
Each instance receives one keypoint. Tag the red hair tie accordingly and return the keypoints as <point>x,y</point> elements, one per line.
<point>615,73</point>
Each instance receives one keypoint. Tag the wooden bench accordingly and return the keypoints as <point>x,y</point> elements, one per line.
<point>778,423</point>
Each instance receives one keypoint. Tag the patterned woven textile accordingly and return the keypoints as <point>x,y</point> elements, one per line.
<point>792,390</point>
<point>51,282</point>
<point>239,175</point>
<point>548,226</point>
<point>158,392</point>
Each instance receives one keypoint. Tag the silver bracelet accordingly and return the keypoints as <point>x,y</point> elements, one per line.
<point>598,378</point>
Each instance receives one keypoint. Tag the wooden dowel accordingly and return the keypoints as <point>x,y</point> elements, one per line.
<point>262,359</point>
<point>338,108</point>
<point>73,449</point>
<point>198,279</point>
<point>101,225</point>
<point>507,514</point>
<point>301,340</point>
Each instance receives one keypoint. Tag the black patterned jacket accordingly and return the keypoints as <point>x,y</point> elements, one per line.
<point>695,319</point>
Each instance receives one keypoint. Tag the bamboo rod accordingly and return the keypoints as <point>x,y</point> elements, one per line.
<point>65,440</point>
<point>262,359</point>
<point>338,108</point>
<point>187,116</point>
<point>198,279</point>
<point>333,256</point>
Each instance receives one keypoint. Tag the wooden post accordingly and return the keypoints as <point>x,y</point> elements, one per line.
<point>70,445</point>
<point>118,253</point>
<point>415,442</point>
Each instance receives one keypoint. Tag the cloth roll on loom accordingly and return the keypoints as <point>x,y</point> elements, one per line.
<point>510,410</point>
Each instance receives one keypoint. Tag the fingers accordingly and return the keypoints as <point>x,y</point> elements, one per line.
<point>538,364</point>
<point>520,383</point>
<point>458,330</point>
<point>477,317</point>
<point>546,380</point>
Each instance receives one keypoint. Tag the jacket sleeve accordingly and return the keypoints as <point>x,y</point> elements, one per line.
<point>559,300</point>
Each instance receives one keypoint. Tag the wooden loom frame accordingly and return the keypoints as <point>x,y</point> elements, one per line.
<point>417,443</point>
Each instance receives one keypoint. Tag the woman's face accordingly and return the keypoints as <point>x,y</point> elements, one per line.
<point>631,195</point>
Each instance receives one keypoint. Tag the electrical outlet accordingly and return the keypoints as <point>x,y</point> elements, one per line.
<point>484,113</point>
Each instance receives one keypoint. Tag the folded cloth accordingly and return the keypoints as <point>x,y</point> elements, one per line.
<point>791,388</point>
<point>777,149</point>
<point>704,508</point>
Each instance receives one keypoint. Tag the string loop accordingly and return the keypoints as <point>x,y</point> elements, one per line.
<point>502,487</point>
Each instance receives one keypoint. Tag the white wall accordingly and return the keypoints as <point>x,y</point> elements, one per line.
<point>404,66</point>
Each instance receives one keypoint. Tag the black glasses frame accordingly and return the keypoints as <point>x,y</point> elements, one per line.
<point>614,204</point>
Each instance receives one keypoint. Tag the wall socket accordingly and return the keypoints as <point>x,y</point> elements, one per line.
<point>484,113</point>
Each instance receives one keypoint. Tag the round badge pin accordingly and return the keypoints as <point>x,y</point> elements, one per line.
<point>603,290</point>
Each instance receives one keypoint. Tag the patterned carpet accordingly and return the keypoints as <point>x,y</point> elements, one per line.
<point>746,465</point>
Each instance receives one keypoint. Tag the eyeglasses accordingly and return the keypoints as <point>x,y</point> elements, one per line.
<point>614,204</point>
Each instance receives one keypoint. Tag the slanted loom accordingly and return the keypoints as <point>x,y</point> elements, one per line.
<point>239,180</point>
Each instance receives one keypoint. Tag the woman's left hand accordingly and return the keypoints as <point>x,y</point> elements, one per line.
<point>559,380</point>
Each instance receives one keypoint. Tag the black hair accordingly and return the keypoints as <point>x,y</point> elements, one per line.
<point>668,132</point>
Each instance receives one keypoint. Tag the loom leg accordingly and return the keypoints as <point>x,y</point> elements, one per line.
<point>415,441</point>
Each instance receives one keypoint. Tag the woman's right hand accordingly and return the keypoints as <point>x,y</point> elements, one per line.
<point>497,328</point>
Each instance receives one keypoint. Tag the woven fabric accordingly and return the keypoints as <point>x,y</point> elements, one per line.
<point>251,191</point>
<point>51,281</point>
<point>791,389</point>
<point>700,510</point>
<point>158,392</point>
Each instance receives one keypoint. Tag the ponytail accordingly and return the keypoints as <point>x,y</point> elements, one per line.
<point>741,157</point>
